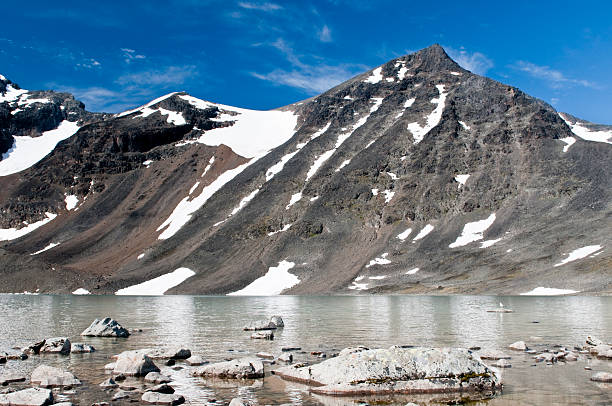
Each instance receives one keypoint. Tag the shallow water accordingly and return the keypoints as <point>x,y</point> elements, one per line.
<point>212,327</point>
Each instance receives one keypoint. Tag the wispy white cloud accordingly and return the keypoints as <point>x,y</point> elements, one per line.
<point>130,54</point>
<point>555,78</point>
<point>266,6</point>
<point>325,34</point>
<point>310,78</point>
<point>171,75</point>
<point>89,64</point>
<point>475,62</point>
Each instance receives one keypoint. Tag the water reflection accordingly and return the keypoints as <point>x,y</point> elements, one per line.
<point>212,327</point>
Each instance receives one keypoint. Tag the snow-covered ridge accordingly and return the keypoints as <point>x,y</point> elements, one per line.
<point>149,104</point>
<point>585,133</point>
<point>27,151</point>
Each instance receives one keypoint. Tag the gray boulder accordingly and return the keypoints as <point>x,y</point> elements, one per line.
<point>518,346</point>
<point>27,397</point>
<point>50,377</point>
<point>80,348</point>
<point>109,383</point>
<point>263,335</point>
<point>168,353</point>
<point>196,361</point>
<point>397,370</point>
<point>11,377</point>
<point>120,394</point>
<point>105,328</point>
<point>163,388</point>
<point>158,398</point>
<point>278,321</point>
<point>56,345</point>
<point>286,357</point>
<point>134,363</point>
<point>157,378</point>
<point>602,377</point>
<point>242,368</point>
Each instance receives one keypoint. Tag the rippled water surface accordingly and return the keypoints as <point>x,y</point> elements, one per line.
<point>212,327</point>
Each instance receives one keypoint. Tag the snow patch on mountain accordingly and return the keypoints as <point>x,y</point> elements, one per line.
<point>27,151</point>
<point>274,282</point>
<point>580,253</point>
<point>418,132</point>
<point>382,260</point>
<point>586,134</point>
<point>473,231</point>
<point>48,247</point>
<point>542,291</point>
<point>403,235</point>
<point>569,141</point>
<point>14,233</point>
<point>145,106</point>
<point>71,201</point>
<point>423,233</point>
<point>375,77</point>
<point>157,286</point>
<point>461,179</point>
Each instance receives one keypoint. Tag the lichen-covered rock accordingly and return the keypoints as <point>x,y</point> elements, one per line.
<point>27,397</point>
<point>242,368</point>
<point>57,345</point>
<point>50,377</point>
<point>105,328</point>
<point>158,398</point>
<point>397,370</point>
<point>134,363</point>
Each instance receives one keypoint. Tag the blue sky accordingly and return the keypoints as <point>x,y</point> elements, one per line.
<point>265,54</point>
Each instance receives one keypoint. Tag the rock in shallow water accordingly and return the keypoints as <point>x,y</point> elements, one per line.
<point>134,363</point>
<point>51,377</point>
<point>602,377</point>
<point>27,397</point>
<point>156,377</point>
<point>58,345</point>
<point>518,346</point>
<point>196,361</point>
<point>105,328</point>
<point>397,370</point>
<point>80,348</point>
<point>242,368</point>
<point>263,335</point>
<point>158,398</point>
<point>11,377</point>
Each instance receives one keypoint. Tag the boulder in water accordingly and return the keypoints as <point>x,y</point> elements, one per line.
<point>27,397</point>
<point>242,368</point>
<point>158,398</point>
<point>105,328</point>
<point>134,363</point>
<point>56,345</point>
<point>51,377</point>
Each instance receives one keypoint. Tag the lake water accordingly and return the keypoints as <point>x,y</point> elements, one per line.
<point>212,327</point>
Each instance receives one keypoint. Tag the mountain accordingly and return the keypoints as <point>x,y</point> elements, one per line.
<point>415,177</point>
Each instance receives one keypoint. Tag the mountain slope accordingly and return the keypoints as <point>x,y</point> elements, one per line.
<point>417,176</point>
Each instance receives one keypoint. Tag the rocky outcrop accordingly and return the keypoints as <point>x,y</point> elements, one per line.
<point>397,370</point>
<point>242,368</point>
<point>134,363</point>
<point>50,377</point>
<point>105,328</point>
<point>27,397</point>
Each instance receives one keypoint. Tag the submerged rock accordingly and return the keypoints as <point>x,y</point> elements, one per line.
<point>163,388</point>
<point>397,370</point>
<point>492,354</point>
<point>108,384</point>
<point>602,377</point>
<point>51,377</point>
<point>264,355</point>
<point>238,402</point>
<point>105,328</point>
<point>27,397</point>
<point>158,398</point>
<point>286,357</point>
<point>196,361</point>
<point>134,363</point>
<point>11,377</point>
<point>242,368</point>
<point>263,335</point>
<point>58,345</point>
<point>260,325</point>
<point>80,348</point>
<point>120,394</point>
<point>13,354</point>
<point>502,363</point>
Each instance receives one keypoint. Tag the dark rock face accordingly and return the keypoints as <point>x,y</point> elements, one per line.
<point>416,177</point>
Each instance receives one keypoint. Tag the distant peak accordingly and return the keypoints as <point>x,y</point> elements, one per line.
<point>435,58</point>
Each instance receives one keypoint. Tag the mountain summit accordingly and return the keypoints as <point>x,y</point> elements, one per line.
<point>415,177</point>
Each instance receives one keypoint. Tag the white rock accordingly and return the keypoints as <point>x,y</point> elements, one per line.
<point>105,328</point>
<point>242,368</point>
<point>27,397</point>
<point>51,377</point>
<point>134,363</point>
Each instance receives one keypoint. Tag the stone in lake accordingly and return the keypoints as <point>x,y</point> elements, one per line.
<point>109,383</point>
<point>238,402</point>
<point>134,363</point>
<point>158,398</point>
<point>163,388</point>
<point>242,368</point>
<point>27,397</point>
<point>168,353</point>
<point>57,345</point>
<point>602,377</point>
<point>120,394</point>
<point>287,349</point>
<point>263,335</point>
<point>502,363</point>
<point>156,377</point>
<point>518,346</point>
<point>286,357</point>
<point>602,351</point>
<point>3,358</point>
<point>397,370</point>
<point>593,341</point>
<point>50,377</point>
<point>195,361</point>
<point>105,328</point>
<point>260,325</point>
<point>264,355</point>
<point>278,321</point>
<point>11,377</point>
<point>492,354</point>
<point>80,348</point>
<point>13,354</point>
